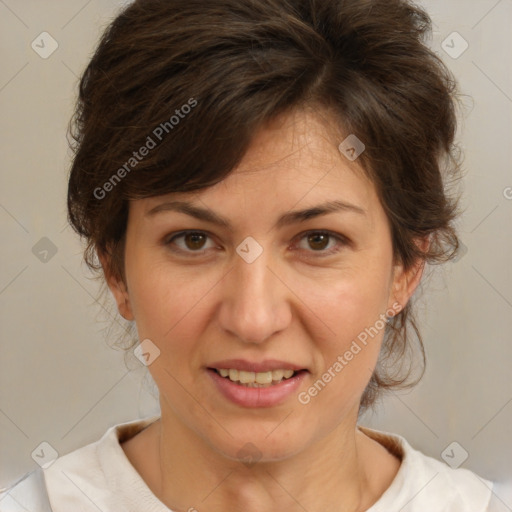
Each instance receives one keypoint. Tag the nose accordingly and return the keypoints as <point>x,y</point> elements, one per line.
<point>255,301</point>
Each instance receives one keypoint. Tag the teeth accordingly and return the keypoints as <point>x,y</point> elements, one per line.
<point>245,377</point>
<point>263,377</point>
<point>255,379</point>
<point>277,374</point>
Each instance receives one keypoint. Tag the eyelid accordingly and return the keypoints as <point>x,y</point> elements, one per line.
<point>341,239</point>
<point>167,241</point>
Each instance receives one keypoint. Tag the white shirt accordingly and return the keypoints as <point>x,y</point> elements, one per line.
<point>99,477</point>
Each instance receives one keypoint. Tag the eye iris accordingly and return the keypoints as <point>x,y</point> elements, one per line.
<point>314,238</point>
<point>194,240</point>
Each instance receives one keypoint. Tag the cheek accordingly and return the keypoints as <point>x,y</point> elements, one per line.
<point>349,312</point>
<point>349,356</point>
<point>168,305</point>
<point>349,302</point>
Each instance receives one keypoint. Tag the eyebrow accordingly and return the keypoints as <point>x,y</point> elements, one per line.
<point>292,217</point>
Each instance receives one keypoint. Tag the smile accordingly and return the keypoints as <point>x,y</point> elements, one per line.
<point>247,388</point>
<point>255,379</point>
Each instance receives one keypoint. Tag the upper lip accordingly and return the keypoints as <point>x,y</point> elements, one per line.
<point>252,366</point>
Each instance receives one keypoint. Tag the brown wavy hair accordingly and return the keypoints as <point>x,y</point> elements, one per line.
<point>244,62</point>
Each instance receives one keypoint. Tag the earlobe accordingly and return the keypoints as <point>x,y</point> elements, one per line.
<point>405,281</point>
<point>122,298</point>
<point>118,289</point>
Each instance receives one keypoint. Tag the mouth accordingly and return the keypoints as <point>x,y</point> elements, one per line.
<point>250,379</point>
<point>266,383</point>
<point>252,384</point>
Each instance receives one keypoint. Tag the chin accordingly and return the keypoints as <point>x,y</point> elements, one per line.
<point>257,446</point>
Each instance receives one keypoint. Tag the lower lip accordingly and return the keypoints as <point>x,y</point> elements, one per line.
<point>257,397</point>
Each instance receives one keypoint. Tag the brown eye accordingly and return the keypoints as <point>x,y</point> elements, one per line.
<point>318,241</point>
<point>190,242</point>
<point>324,243</point>
<point>194,241</point>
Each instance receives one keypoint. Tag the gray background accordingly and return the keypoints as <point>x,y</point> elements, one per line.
<point>62,383</point>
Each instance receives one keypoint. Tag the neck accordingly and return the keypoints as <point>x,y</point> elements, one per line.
<point>329,475</point>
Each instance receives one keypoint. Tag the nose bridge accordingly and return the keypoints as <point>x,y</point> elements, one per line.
<point>254,305</point>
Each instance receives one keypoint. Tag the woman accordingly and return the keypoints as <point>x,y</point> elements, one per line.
<point>263,184</point>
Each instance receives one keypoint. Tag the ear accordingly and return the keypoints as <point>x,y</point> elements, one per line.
<point>405,281</point>
<point>118,288</point>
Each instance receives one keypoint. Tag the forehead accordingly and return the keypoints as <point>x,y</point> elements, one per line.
<point>298,140</point>
<point>293,161</point>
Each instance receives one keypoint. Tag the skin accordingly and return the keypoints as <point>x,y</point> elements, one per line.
<point>291,304</point>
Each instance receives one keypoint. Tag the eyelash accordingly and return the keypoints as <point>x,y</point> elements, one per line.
<point>342,241</point>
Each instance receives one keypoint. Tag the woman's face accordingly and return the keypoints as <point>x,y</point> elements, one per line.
<point>262,292</point>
